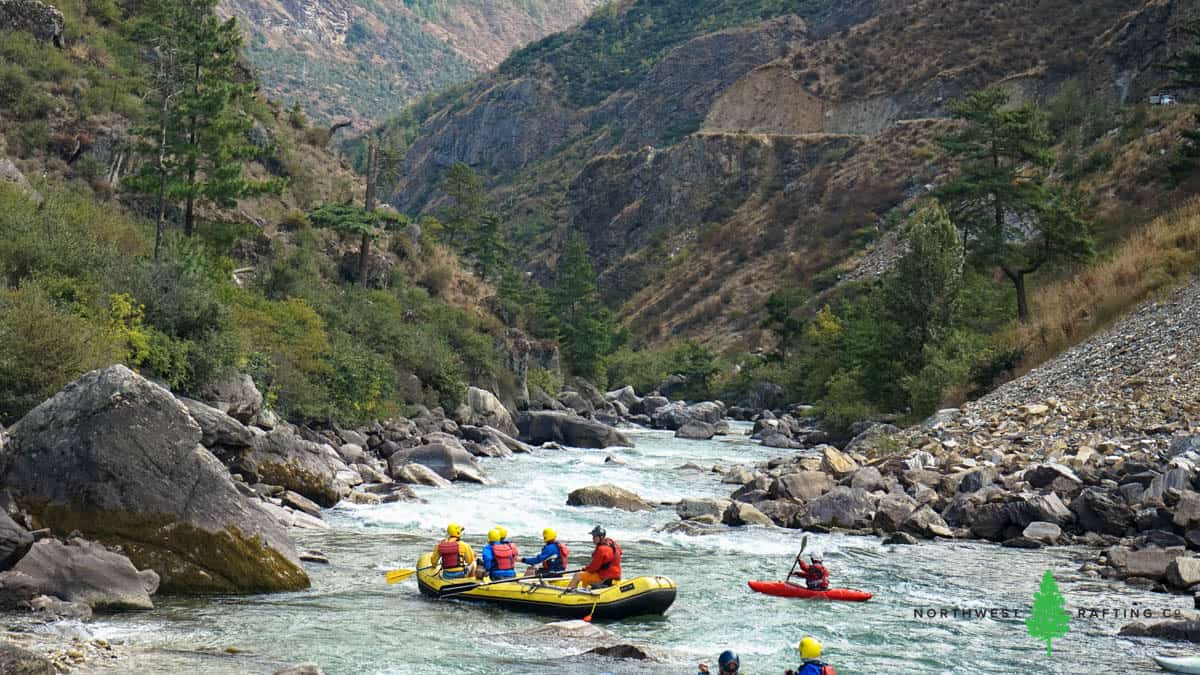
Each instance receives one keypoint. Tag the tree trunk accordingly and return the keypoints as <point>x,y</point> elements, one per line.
<point>1017,277</point>
<point>162,178</point>
<point>364,253</point>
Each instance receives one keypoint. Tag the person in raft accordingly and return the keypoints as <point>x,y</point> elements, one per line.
<point>815,576</point>
<point>605,567</point>
<point>553,558</point>
<point>810,655</point>
<point>455,555</point>
<point>499,557</point>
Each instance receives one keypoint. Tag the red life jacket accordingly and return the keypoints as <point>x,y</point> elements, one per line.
<point>612,568</point>
<point>448,549</point>
<point>504,554</point>
<point>562,557</point>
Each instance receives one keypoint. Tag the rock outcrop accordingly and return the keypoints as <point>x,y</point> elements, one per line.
<point>558,427</point>
<point>86,572</point>
<point>119,460</point>
<point>39,19</point>
<point>609,496</point>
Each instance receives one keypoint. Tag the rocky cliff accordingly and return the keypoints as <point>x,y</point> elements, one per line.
<point>364,60</point>
<point>763,149</point>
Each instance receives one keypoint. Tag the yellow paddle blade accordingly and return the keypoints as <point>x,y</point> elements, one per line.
<point>396,576</point>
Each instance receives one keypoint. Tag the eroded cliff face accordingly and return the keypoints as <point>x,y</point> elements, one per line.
<point>341,58</point>
<point>767,154</point>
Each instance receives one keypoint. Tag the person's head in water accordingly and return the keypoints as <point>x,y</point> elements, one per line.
<point>728,662</point>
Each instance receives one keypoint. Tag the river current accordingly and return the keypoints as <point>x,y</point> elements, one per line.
<point>351,622</point>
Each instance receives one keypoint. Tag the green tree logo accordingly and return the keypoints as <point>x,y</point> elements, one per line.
<point>1048,620</point>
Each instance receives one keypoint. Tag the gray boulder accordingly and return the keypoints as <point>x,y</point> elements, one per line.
<point>282,457</point>
<point>741,513</point>
<point>15,660</point>
<point>776,438</point>
<point>801,486</point>
<point>235,395</point>
<point>689,509</point>
<point>609,496</point>
<point>738,475</point>
<point>492,436</point>
<point>484,409</point>
<point>1148,563</point>
<point>675,415</point>
<point>416,474</point>
<point>868,478</point>
<point>892,511</point>
<point>557,427</point>
<point>626,396</point>
<point>14,542</point>
<point>10,174</point>
<point>1096,511</point>
<point>925,522</point>
<point>842,506</point>
<point>650,405</point>
<point>86,572</point>
<point>119,460</point>
<point>864,443</point>
<point>451,463</point>
<point>767,396</point>
<point>696,430</point>
<point>1174,631</point>
<point>41,20</point>
<point>577,402</point>
<point>1183,572</point>
<point>216,427</point>
<point>977,479</point>
<point>1047,533</point>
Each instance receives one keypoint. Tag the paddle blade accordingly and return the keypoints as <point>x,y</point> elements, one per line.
<point>396,576</point>
<point>588,618</point>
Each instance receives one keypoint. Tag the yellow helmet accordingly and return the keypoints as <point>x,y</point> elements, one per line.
<point>810,648</point>
<point>503,532</point>
<point>493,535</point>
<point>549,535</point>
<point>454,530</point>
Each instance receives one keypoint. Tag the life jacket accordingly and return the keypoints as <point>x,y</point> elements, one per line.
<point>817,577</point>
<point>816,668</point>
<point>504,555</point>
<point>560,564</point>
<point>448,550</point>
<point>614,562</point>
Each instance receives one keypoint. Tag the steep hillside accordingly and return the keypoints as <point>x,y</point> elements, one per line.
<point>760,147</point>
<point>364,60</point>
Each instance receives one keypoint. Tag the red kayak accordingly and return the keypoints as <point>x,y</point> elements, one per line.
<point>785,590</point>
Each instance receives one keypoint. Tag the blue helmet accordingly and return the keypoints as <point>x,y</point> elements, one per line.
<point>728,658</point>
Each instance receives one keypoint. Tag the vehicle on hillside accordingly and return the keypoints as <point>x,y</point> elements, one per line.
<point>1163,99</point>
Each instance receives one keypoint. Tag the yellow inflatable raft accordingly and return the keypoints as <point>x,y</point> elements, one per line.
<point>628,597</point>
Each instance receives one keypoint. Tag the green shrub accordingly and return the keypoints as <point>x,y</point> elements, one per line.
<point>845,401</point>
<point>548,381</point>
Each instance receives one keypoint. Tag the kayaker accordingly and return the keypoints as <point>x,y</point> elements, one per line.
<point>728,662</point>
<point>456,556</point>
<point>815,576</point>
<point>810,655</point>
<point>553,558</point>
<point>499,557</point>
<point>605,567</point>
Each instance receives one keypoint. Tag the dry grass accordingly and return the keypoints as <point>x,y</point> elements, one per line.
<point>1068,311</point>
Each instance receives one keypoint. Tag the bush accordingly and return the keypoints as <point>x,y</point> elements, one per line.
<point>546,380</point>
<point>845,403</point>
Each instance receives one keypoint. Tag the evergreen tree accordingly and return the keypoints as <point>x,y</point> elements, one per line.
<point>785,317</point>
<point>356,221</point>
<point>197,128</point>
<point>1048,619</point>
<point>999,197</point>
<point>923,292</point>
<point>488,249</point>
<point>462,218</point>
<point>1186,74</point>
<point>585,324</point>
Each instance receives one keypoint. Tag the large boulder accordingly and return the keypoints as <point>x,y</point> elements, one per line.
<point>235,395</point>
<point>282,457</point>
<point>1183,572</point>
<point>609,496</point>
<point>626,396</point>
<point>766,396</point>
<point>1174,631</point>
<point>86,572</point>
<point>416,474</point>
<point>926,522</point>
<point>447,461</point>
<point>892,511</point>
<point>741,513</point>
<point>1149,563</point>
<point>14,542</point>
<point>118,459</point>
<point>695,508</point>
<point>675,415</point>
<point>846,507</point>
<point>495,437</point>
<point>39,19</point>
<point>650,405</point>
<point>1096,511</point>
<point>836,462</point>
<point>696,430</point>
<point>557,427</point>
<point>216,427</point>
<point>802,486</point>
<point>17,661</point>
<point>484,409</point>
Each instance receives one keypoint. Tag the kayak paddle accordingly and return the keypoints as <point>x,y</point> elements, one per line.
<point>803,545</point>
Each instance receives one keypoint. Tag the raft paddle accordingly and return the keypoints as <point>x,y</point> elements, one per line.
<point>489,583</point>
<point>803,545</point>
<point>396,576</point>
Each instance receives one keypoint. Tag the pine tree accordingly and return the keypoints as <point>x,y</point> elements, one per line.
<point>1048,619</point>
<point>585,324</point>
<point>999,197</point>
<point>462,218</point>
<point>488,248</point>
<point>197,129</point>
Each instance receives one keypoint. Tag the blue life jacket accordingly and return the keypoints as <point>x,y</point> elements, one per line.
<point>815,668</point>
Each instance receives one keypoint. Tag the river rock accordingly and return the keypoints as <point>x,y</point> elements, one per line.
<point>738,475</point>
<point>1097,512</point>
<point>650,405</point>
<point>17,589</point>
<point>803,486</point>
<point>689,509</point>
<point>776,438</point>
<point>865,442</point>
<point>14,542</point>
<point>235,395</point>
<point>17,661</point>
<point>217,427</point>
<point>892,510</point>
<point>484,409</point>
<point>415,474</point>
<point>495,437</point>
<point>573,629</point>
<point>282,457</point>
<point>1047,533</point>
<point>836,462</point>
<point>451,463</point>
<point>1176,631</point>
<point>609,496</point>
<point>557,427</point>
<point>54,609</point>
<point>1149,563</point>
<point>87,572</point>
<point>977,479</point>
<point>840,507</point>
<point>1186,513</point>
<point>1183,572</point>
<point>626,396</point>
<point>696,431</point>
<point>900,539</point>
<point>128,469</point>
<point>741,513</point>
<point>301,503</point>
<point>868,478</point>
<point>926,522</point>
<point>624,652</point>
<point>301,669</point>
<point>352,454</point>
<point>577,402</point>
<point>1053,476</point>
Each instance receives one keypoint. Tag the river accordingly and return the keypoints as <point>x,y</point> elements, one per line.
<point>350,621</point>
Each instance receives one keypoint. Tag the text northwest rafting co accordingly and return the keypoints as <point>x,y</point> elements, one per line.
<point>996,613</point>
